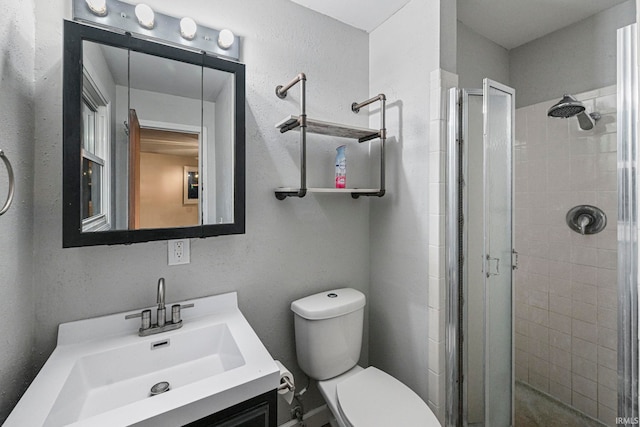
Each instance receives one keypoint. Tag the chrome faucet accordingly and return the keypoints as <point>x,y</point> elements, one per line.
<point>161,325</point>
<point>161,316</point>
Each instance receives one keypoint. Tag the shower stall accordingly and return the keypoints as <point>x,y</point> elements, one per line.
<point>542,254</point>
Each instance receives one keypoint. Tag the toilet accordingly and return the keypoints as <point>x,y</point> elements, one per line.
<point>328,330</point>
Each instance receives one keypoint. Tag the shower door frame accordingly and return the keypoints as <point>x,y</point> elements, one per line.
<point>456,241</point>
<point>627,148</point>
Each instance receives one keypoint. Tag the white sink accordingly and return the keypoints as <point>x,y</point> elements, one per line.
<point>101,372</point>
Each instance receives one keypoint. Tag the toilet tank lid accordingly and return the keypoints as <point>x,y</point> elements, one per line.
<point>326,305</point>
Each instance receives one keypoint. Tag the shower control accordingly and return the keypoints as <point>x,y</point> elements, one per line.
<point>586,219</point>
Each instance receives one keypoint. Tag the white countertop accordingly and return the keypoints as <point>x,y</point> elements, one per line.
<point>184,404</point>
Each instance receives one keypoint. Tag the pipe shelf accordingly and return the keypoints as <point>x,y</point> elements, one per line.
<point>283,192</point>
<point>304,124</point>
<point>320,127</point>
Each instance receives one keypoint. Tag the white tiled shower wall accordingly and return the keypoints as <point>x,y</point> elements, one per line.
<point>566,295</point>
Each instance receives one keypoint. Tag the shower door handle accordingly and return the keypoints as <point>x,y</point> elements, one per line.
<point>490,264</point>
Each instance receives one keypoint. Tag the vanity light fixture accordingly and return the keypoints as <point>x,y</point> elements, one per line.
<point>141,21</point>
<point>97,7</point>
<point>226,39</point>
<point>188,28</point>
<point>145,15</point>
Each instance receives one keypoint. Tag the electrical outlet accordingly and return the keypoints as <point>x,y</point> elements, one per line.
<point>179,251</point>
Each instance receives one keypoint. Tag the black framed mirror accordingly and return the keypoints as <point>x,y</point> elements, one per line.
<point>153,140</point>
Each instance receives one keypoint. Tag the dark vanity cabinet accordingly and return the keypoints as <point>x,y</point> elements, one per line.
<point>260,411</point>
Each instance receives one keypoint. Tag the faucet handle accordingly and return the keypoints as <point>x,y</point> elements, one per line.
<point>175,312</point>
<point>145,322</point>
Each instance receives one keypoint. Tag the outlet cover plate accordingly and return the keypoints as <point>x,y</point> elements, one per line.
<point>179,251</point>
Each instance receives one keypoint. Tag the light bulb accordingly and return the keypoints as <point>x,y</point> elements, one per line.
<point>97,7</point>
<point>226,39</point>
<point>145,16</point>
<point>188,28</point>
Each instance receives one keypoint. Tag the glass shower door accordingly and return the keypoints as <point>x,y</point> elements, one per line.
<point>479,257</point>
<point>498,136</point>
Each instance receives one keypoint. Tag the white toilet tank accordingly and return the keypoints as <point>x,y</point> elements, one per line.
<point>328,329</point>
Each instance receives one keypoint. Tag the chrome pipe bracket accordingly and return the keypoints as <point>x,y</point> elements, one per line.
<point>280,93</point>
<point>281,90</point>
<point>355,107</point>
<point>12,183</point>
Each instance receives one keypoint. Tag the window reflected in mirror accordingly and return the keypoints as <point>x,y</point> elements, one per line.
<point>91,191</point>
<point>98,112</point>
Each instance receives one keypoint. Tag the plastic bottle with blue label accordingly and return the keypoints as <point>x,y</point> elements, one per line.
<point>341,167</point>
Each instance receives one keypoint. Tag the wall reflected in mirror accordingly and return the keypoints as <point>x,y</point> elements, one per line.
<point>145,120</point>
<point>218,91</point>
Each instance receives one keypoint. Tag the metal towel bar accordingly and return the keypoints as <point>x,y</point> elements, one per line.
<point>7,203</point>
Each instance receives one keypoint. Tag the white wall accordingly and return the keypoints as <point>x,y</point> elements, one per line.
<point>16,140</point>
<point>400,320</point>
<point>291,248</point>
<point>574,59</point>
<point>223,154</point>
<point>478,58</point>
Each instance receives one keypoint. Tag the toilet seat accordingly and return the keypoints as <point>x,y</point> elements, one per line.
<point>373,398</point>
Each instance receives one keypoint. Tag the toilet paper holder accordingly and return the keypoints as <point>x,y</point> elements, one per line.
<point>285,384</point>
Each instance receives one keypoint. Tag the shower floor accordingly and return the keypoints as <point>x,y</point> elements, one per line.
<point>536,409</point>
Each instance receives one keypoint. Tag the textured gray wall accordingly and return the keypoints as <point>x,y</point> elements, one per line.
<point>448,35</point>
<point>292,248</point>
<point>574,59</point>
<point>479,57</point>
<point>16,140</point>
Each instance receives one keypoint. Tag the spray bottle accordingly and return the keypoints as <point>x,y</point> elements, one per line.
<point>341,167</point>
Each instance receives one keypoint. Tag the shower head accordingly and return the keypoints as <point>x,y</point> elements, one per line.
<point>568,106</point>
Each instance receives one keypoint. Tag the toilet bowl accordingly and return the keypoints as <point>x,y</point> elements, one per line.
<point>370,397</point>
<point>328,329</point>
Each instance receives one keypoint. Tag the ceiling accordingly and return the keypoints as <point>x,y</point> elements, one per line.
<point>511,23</point>
<point>366,15</point>
<point>508,23</point>
<point>156,74</point>
<point>169,142</point>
